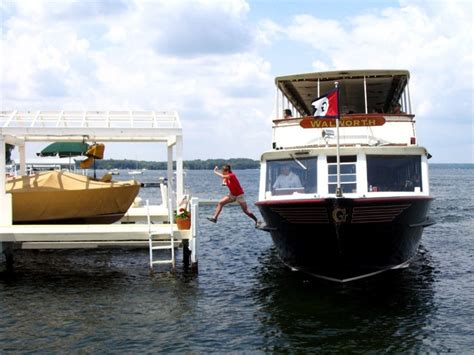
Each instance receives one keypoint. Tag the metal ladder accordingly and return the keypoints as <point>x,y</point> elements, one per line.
<point>163,244</point>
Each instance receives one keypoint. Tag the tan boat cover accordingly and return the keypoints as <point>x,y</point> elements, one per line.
<point>58,195</point>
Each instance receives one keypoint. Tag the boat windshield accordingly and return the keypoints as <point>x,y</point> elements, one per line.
<point>291,176</point>
<point>394,173</point>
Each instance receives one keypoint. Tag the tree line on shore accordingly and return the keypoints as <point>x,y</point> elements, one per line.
<point>198,164</point>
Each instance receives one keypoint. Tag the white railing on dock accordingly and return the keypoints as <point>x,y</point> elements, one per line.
<point>89,119</point>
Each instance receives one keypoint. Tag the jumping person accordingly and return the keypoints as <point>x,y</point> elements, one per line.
<point>236,193</point>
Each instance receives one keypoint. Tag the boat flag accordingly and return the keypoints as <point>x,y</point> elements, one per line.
<point>327,105</point>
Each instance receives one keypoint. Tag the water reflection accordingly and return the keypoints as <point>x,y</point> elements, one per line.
<point>389,312</point>
<point>92,301</point>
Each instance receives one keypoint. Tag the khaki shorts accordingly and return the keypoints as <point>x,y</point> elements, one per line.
<point>239,198</point>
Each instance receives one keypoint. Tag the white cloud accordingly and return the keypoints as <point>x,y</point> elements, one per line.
<point>118,62</point>
<point>212,62</point>
<point>433,41</point>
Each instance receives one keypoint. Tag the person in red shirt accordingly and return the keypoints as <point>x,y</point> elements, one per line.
<point>236,193</point>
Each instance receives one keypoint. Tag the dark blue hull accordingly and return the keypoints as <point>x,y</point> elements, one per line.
<point>345,239</point>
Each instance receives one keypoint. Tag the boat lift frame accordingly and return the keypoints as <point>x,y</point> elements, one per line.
<point>20,127</point>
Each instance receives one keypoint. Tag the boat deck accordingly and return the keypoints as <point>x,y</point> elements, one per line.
<point>142,227</point>
<point>139,214</point>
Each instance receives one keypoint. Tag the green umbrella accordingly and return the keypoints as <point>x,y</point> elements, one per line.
<point>64,149</point>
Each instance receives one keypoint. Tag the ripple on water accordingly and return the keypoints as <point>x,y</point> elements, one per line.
<point>243,298</point>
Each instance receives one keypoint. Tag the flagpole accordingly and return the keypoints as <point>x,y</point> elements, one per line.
<point>338,158</point>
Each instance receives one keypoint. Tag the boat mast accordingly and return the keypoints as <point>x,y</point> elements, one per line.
<point>338,162</point>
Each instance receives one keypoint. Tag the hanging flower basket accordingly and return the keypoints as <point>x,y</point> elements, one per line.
<point>183,219</point>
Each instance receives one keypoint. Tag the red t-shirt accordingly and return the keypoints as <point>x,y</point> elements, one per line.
<point>233,185</point>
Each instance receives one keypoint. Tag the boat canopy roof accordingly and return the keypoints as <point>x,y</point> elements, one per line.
<point>384,88</point>
<point>107,126</point>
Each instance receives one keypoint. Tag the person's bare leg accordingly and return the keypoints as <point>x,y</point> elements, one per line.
<point>223,201</point>
<point>245,209</point>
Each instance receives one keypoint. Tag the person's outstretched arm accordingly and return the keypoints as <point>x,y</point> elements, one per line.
<point>218,173</point>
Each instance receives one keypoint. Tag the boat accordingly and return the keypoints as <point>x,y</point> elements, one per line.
<point>363,196</point>
<point>60,197</point>
<point>114,171</point>
<point>135,172</point>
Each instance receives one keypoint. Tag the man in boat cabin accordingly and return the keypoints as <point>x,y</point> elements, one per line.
<point>287,114</point>
<point>236,193</point>
<point>287,179</point>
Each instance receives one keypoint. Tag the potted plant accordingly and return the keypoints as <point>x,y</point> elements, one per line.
<point>183,218</point>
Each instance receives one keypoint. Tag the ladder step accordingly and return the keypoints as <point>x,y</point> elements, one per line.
<point>163,261</point>
<point>163,247</point>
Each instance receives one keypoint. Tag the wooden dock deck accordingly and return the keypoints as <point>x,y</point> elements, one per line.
<point>94,233</point>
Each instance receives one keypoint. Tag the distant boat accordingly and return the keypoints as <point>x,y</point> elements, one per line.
<point>114,172</point>
<point>65,198</point>
<point>136,171</point>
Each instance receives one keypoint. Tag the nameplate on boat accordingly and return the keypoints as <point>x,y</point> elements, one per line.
<point>361,121</point>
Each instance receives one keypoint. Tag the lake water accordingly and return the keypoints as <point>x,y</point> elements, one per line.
<point>243,298</point>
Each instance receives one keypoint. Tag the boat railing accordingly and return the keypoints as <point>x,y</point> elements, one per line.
<point>356,129</point>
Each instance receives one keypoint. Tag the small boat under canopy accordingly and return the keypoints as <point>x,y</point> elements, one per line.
<point>62,197</point>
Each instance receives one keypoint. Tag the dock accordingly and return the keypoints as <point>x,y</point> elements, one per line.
<point>147,226</point>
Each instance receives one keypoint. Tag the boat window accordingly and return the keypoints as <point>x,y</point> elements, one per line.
<point>394,173</point>
<point>347,171</point>
<point>288,176</point>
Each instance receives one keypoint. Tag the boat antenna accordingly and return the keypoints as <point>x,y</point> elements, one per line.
<point>338,157</point>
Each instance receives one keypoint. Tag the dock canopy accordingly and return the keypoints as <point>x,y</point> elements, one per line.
<point>20,127</point>
<point>96,126</point>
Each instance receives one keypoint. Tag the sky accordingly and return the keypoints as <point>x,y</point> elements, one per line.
<point>214,62</point>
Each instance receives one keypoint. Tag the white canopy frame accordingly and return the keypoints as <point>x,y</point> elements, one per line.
<point>20,127</point>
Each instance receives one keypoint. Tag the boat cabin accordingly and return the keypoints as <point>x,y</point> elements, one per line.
<point>379,152</point>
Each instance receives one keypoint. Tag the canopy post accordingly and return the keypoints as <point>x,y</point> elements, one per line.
<point>5,199</point>
<point>22,152</point>
<point>169,175</point>
<point>3,170</point>
<point>179,169</point>
<point>277,108</point>
<point>409,98</point>
<point>365,95</point>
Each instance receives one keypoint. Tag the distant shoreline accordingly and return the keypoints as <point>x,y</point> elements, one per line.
<point>197,164</point>
<point>209,164</point>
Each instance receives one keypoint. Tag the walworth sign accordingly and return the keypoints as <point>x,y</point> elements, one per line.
<point>355,121</point>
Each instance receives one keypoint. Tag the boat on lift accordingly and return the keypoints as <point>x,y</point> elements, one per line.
<point>60,197</point>
<point>345,197</point>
